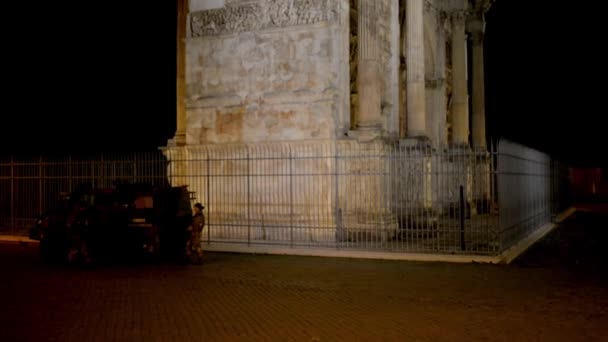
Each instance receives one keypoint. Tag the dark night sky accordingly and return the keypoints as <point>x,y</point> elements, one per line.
<point>108,70</point>
<point>92,77</point>
<point>544,76</point>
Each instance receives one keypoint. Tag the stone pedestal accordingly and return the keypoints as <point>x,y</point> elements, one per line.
<point>286,193</point>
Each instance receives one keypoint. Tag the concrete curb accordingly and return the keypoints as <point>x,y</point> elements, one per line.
<point>505,258</point>
<point>567,213</point>
<point>17,240</point>
<point>261,249</point>
<point>518,249</point>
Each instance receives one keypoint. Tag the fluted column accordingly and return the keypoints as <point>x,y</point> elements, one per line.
<point>182,18</point>
<point>460,103</point>
<point>394,79</point>
<point>440,134</point>
<point>416,101</point>
<point>368,76</point>
<point>476,28</point>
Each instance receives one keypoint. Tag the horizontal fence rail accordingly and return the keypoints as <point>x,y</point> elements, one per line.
<point>338,195</point>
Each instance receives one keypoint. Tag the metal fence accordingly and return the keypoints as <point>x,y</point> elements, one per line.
<point>339,195</point>
<point>29,186</point>
<point>524,191</point>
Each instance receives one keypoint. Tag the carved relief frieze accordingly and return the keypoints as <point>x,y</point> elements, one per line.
<point>260,15</point>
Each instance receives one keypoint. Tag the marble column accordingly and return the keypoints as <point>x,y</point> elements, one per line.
<point>394,79</point>
<point>343,44</point>
<point>460,100</point>
<point>476,28</point>
<point>182,18</point>
<point>440,134</point>
<point>415,101</point>
<point>368,76</point>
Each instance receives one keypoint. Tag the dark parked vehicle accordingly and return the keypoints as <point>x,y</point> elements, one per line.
<point>125,221</point>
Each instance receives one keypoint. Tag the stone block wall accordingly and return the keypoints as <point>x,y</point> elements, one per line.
<point>267,70</point>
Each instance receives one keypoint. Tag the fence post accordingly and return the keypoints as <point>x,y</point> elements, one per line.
<point>500,196</point>
<point>248,200</point>
<point>114,177</point>
<point>290,198</point>
<point>134,168</point>
<point>12,195</point>
<point>102,172</point>
<point>69,173</point>
<point>40,186</point>
<point>208,203</point>
<point>553,190</point>
<point>462,213</point>
<point>337,210</point>
<point>494,202</point>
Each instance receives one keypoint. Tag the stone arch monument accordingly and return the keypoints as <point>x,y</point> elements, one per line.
<point>278,81</point>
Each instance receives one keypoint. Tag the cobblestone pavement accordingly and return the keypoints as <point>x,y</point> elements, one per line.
<point>550,294</point>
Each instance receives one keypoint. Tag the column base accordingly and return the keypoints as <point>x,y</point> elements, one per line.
<point>367,133</point>
<point>421,142</point>
<point>459,147</point>
<point>177,140</point>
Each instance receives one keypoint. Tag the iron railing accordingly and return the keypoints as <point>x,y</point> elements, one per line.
<point>338,195</point>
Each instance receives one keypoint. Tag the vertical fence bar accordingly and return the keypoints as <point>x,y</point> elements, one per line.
<point>70,173</point>
<point>462,213</point>
<point>40,185</point>
<point>208,204</point>
<point>248,200</point>
<point>134,177</point>
<point>99,171</point>
<point>92,163</point>
<point>337,209</point>
<point>12,195</point>
<point>114,162</point>
<point>291,197</point>
<point>495,204</point>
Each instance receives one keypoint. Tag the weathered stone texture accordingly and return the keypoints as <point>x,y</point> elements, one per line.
<point>263,71</point>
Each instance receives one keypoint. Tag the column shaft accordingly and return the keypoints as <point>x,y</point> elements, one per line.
<point>416,102</point>
<point>479,110</point>
<point>368,77</point>
<point>460,102</point>
<point>182,18</point>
